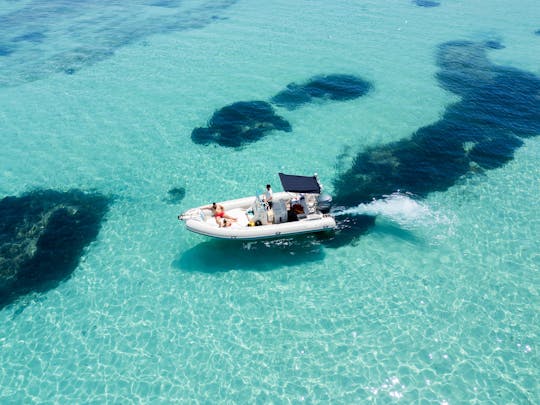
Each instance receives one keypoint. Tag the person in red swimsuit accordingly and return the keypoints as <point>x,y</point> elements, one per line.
<point>219,214</point>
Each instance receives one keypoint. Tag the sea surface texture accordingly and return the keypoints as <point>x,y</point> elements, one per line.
<point>421,119</point>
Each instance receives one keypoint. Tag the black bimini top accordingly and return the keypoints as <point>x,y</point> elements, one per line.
<point>300,184</point>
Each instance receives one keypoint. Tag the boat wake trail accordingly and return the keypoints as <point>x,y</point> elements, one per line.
<point>399,208</point>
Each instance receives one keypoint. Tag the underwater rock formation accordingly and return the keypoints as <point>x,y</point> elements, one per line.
<point>6,50</point>
<point>248,121</point>
<point>33,36</point>
<point>426,3</point>
<point>176,195</point>
<point>499,106</point>
<point>335,87</point>
<point>493,45</point>
<point>87,32</point>
<point>240,123</point>
<point>42,237</point>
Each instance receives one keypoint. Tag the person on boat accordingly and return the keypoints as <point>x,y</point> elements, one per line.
<point>219,214</point>
<point>268,196</point>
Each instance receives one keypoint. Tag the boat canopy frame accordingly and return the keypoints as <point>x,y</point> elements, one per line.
<point>300,184</point>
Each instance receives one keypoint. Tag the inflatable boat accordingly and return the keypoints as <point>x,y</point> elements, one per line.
<point>302,208</point>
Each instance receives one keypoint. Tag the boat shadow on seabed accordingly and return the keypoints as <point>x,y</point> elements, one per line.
<point>217,256</point>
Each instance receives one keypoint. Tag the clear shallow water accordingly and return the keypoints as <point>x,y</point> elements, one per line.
<point>439,303</point>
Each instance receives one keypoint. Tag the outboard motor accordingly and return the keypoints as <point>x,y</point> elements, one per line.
<point>324,202</point>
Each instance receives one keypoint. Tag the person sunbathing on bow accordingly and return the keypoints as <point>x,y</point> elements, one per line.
<point>219,214</point>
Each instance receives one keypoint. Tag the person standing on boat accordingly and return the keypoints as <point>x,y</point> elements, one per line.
<point>268,196</point>
<point>219,214</point>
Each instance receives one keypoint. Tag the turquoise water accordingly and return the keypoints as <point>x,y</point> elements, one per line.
<point>437,302</point>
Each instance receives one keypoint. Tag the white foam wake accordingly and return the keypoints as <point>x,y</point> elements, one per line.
<point>400,208</point>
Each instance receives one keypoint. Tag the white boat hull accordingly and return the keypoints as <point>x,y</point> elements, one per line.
<point>200,220</point>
